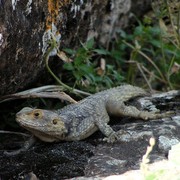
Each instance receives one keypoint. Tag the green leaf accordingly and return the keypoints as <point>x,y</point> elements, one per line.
<point>68,66</point>
<point>108,82</point>
<point>90,77</point>
<point>89,44</point>
<point>69,51</point>
<point>138,31</point>
<point>77,75</point>
<point>156,43</point>
<point>101,51</point>
<point>85,69</point>
<point>122,33</point>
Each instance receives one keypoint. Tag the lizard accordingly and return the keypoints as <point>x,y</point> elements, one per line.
<point>78,121</point>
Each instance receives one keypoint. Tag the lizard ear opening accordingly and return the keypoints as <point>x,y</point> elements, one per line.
<point>58,123</point>
<point>55,121</point>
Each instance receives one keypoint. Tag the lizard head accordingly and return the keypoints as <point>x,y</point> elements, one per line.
<point>44,124</point>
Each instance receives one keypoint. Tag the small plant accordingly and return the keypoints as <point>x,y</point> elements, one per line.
<point>91,68</point>
<point>149,56</point>
<point>155,50</point>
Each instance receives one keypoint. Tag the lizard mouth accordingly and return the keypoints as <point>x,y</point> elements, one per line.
<point>37,128</point>
<point>28,124</point>
<point>33,126</point>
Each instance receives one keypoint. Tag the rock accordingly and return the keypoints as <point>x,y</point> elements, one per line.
<point>25,27</point>
<point>93,158</point>
<point>48,161</point>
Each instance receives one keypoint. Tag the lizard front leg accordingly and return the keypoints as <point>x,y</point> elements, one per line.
<point>102,125</point>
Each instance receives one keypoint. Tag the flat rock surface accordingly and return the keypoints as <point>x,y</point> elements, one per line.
<point>93,157</point>
<point>48,161</point>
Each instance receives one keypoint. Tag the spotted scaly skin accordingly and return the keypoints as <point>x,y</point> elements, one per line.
<point>79,121</point>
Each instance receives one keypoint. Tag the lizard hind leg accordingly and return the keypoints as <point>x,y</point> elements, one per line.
<point>120,109</point>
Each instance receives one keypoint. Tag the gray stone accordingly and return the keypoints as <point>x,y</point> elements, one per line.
<point>93,158</point>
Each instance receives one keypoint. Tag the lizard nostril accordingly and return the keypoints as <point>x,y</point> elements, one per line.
<point>18,114</point>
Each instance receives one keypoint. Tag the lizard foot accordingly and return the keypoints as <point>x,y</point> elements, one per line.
<point>114,136</point>
<point>145,115</point>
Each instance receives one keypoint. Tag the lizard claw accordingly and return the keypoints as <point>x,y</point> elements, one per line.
<point>110,139</point>
<point>165,114</point>
<point>146,115</point>
<point>114,136</point>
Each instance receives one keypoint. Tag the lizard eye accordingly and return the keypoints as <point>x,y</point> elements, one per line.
<point>37,114</point>
<point>54,121</point>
